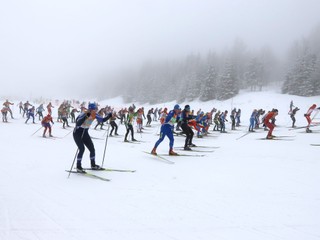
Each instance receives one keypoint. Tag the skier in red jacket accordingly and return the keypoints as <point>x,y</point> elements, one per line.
<point>46,124</point>
<point>269,122</point>
<point>307,115</point>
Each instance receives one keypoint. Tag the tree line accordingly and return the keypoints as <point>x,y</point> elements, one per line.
<point>221,76</point>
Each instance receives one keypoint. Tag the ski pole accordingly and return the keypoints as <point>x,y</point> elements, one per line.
<point>75,156</point>
<point>36,131</point>
<point>67,134</point>
<point>141,131</point>
<point>105,145</point>
<point>107,131</point>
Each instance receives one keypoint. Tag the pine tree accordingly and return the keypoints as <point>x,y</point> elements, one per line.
<point>228,85</point>
<point>254,74</point>
<point>209,90</point>
<point>301,80</point>
<point>316,79</point>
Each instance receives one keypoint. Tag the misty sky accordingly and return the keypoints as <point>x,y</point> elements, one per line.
<point>59,48</point>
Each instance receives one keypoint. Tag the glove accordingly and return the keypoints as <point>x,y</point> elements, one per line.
<point>88,114</point>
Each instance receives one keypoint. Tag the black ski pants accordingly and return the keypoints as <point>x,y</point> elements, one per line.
<point>188,131</point>
<point>82,138</point>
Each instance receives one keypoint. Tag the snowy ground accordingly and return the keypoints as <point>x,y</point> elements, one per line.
<point>246,189</point>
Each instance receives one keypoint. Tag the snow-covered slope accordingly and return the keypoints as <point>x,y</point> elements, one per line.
<point>245,189</point>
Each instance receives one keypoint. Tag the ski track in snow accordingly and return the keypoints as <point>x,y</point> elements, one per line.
<point>246,189</point>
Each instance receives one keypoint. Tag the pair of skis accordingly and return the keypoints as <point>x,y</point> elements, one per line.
<point>284,138</point>
<point>91,175</point>
<point>166,160</point>
<point>311,125</point>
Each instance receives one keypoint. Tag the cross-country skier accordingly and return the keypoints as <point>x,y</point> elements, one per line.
<point>113,124</point>
<point>253,120</point>
<point>142,115</point>
<point>139,120</point>
<point>291,106</point>
<point>185,117</point>
<point>39,111</point>
<point>7,105</point>
<point>20,104</point>
<point>101,112</point>
<point>163,115</point>
<point>260,112</point>
<point>122,114</point>
<point>4,112</point>
<point>149,117</point>
<point>155,115</point>
<point>81,135</point>
<point>128,123</point>
<point>200,120</point>
<point>238,116</point>
<point>292,115</point>
<point>308,114</point>
<point>269,122</point>
<point>222,120</point>
<point>26,106</point>
<point>72,114</point>
<point>167,130</point>
<point>49,108</point>
<point>46,124</point>
<point>30,114</point>
<point>216,121</point>
<point>233,119</point>
<point>64,117</point>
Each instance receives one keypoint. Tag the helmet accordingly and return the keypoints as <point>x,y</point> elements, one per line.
<point>176,107</point>
<point>187,107</point>
<point>92,106</point>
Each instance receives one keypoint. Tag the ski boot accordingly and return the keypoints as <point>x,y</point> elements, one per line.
<point>172,153</point>
<point>94,166</point>
<point>79,168</point>
<point>154,151</point>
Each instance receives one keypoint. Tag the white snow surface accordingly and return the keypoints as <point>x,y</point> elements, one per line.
<point>246,189</point>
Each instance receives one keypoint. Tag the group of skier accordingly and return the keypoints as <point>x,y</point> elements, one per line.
<point>176,121</point>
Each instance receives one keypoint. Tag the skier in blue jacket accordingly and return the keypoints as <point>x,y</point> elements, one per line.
<point>223,118</point>
<point>252,120</point>
<point>167,129</point>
